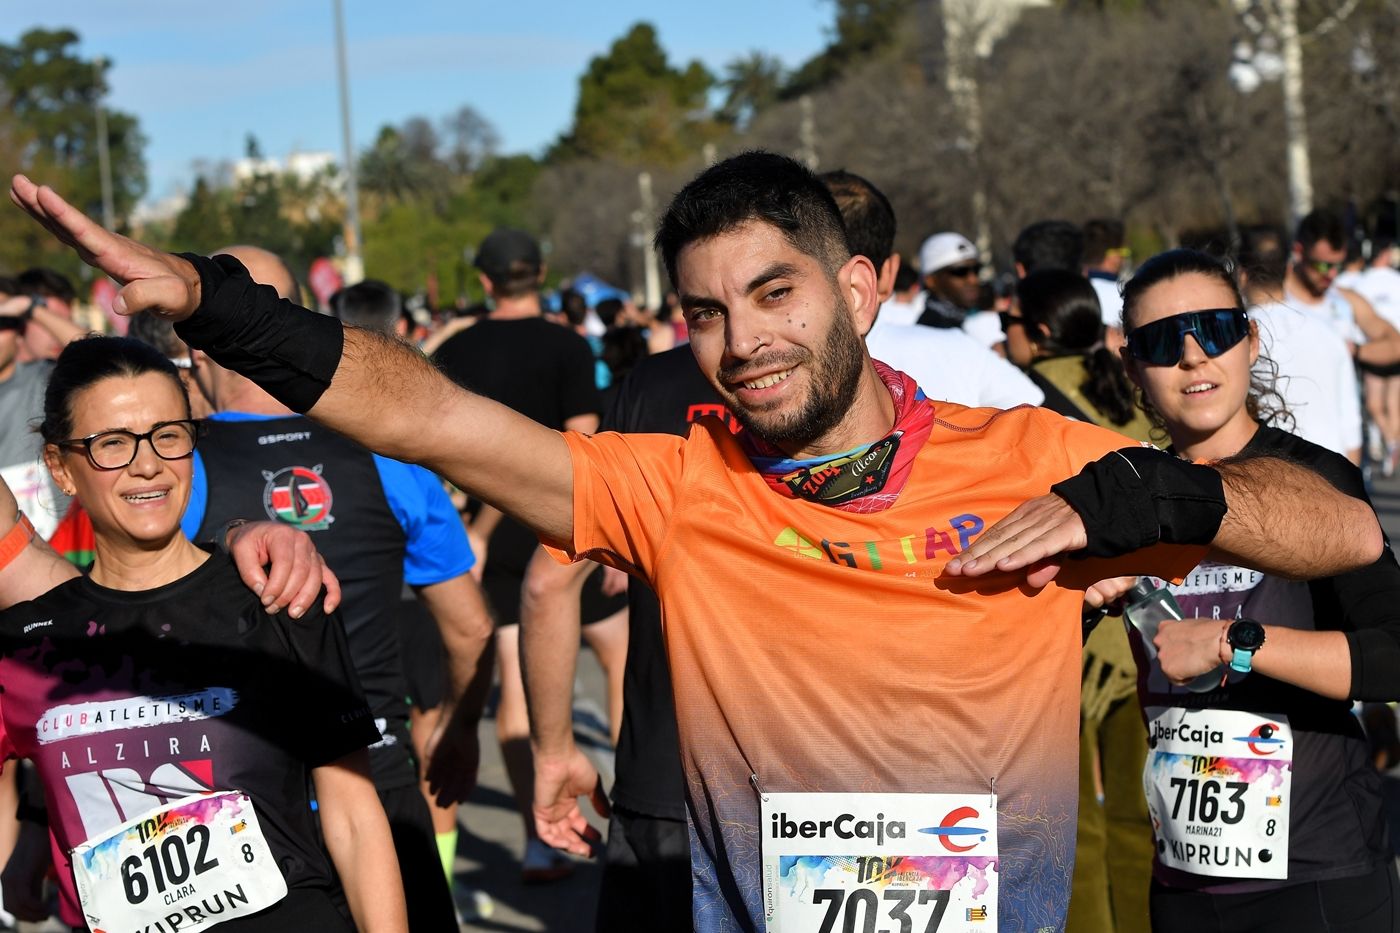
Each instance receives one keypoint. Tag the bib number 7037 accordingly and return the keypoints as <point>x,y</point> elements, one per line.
<point>862,908</point>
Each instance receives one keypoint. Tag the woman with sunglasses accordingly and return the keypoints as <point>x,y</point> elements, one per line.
<point>1265,806</point>
<point>178,729</point>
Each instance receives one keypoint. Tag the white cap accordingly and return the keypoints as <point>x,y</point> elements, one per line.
<point>943,250</point>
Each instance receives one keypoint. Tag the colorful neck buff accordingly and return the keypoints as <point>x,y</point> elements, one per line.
<point>863,479</point>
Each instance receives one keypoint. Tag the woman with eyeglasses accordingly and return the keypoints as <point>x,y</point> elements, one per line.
<point>179,730</point>
<point>1265,805</point>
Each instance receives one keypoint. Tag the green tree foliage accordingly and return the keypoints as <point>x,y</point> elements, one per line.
<point>751,83</point>
<point>634,106</point>
<point>48,128</point>
<point>862,28</point>
<point>298,220</point>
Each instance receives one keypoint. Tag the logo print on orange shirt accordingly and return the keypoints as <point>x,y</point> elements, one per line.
<point>299,496</point>
<point>890,555</point>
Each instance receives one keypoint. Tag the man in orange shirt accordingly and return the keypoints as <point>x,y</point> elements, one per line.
<point>874,644</point>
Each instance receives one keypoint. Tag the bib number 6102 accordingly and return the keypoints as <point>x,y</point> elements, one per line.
<point>169,864</point>
<point>865,904</point>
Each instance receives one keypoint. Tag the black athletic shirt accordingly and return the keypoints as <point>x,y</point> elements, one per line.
<point>1336,828</point>
<point>128,700</point>
<point>663,394</point>
<point>296,471</point>
<point>545,372</point>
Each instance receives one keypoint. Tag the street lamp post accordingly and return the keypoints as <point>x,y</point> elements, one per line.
<point>104,158</point>
<point>354,263</point>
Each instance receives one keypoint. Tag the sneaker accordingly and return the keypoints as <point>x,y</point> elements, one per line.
<point>543,864</point>
<point>473,904</point>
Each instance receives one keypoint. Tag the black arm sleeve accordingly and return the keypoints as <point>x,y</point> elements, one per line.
<point>1134,497</point>
<point>290,352</point>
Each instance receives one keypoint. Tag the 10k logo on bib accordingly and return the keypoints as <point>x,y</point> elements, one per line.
<point>907,862</point>
<point>193,863</point>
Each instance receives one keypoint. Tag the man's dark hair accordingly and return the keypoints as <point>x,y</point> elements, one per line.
<point>9,287</point>
<point>160,333</point>
<point>370,304</point>
<point>1100,236</point>
<point>46,282</point>
<point>867,213</point>
<point>906,278</point>
<point>1263,256</point>
<point>1321,226</point>
<point>573,306</point>
<point>607,310</point>
<point>1049,244</point>
<point>756,186</point>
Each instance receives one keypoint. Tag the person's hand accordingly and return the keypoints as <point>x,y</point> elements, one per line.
<point>1035,535</point>
<point>559,782</point>
<point>453,755</point>
<point>17,306</point>
<point>153,281</point>
<point>1107,592</point>
<point>614,581</point>
<point>1191,647</point>
<point>296,574</point>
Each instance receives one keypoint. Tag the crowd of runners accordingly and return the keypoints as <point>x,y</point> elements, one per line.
<point>922,604</point>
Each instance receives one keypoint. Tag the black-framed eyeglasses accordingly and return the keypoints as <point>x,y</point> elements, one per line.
<point>113,450</point>
<point>1161,343</point>
<point>961,272</point>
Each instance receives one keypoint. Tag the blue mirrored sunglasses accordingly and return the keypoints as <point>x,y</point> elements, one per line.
<point>1161,343</point>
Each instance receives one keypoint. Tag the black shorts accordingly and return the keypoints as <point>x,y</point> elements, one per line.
<point>646,874</point>
<point>424,657</point>
<point>1365,904</point>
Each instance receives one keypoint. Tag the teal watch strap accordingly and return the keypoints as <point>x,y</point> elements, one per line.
<point>1243,661</point>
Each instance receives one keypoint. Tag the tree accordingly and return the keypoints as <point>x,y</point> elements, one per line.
<point>403,165</point>
<point>862,28</point>
<point>48,129</point>
<point>471,139</point>
<point>635,107</point>
<point>50,94</point>
<point>750,83</point>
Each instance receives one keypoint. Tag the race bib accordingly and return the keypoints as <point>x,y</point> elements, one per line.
<point>195,862</point>
<point>912,863</point>
<point>1217,784</point>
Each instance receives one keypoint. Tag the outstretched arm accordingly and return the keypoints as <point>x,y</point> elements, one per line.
<point>375,390</point>
<point>1278,517</point>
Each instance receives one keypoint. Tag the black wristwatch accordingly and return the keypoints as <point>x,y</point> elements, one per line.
<point>1245,637</point>
<point>35,301</point>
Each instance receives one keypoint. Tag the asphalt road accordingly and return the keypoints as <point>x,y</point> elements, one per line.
<point>492,840</point>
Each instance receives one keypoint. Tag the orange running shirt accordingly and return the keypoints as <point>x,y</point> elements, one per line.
<point>822,650</point>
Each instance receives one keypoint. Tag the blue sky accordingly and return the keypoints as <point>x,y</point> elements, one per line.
<point>200,76</point>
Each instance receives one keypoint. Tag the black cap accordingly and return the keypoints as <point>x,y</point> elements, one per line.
<point>508,253</point>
